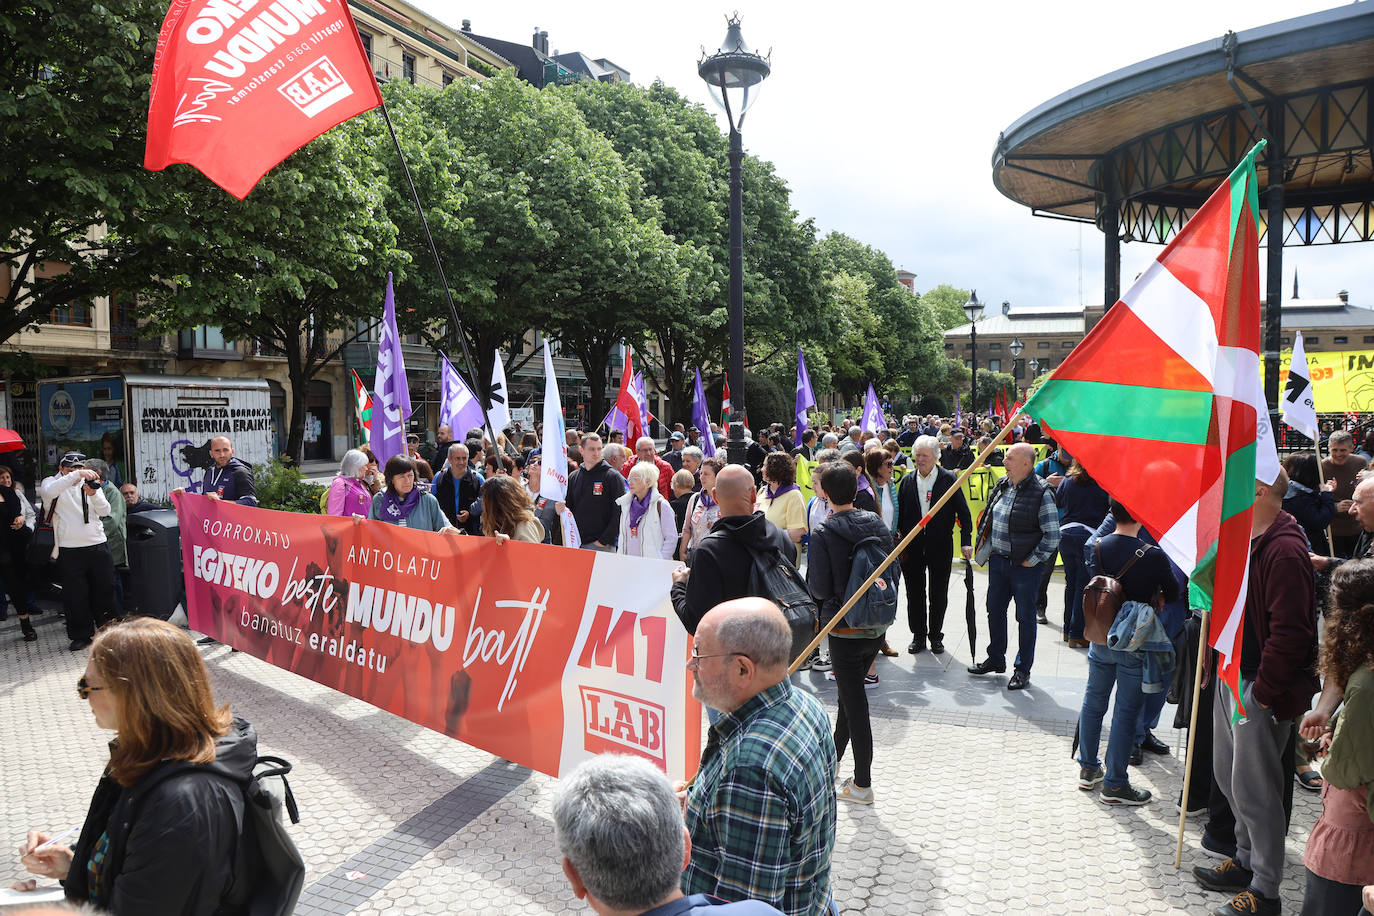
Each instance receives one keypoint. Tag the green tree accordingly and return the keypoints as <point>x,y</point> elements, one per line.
<point>303,257</point>
<point>74,83</point>
<point>946,306</point>
<point>990,384</point>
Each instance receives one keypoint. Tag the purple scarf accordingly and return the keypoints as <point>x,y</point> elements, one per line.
<point>864,484</point>
<point>639,507</point>
<point>396,509</point>
<point>706,502</point>
<point>774,494</point>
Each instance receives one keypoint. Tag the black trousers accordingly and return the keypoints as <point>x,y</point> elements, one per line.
<point>851,658</point>
<point>1343,545</point>
<point>88,588</point>
<point>1323,897</point>
<point>927,559</point>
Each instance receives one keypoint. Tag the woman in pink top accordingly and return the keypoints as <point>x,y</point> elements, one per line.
<point>348,494</point>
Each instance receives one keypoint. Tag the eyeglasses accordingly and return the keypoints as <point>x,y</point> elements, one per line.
<point>697,656</point>
<point>84,689</point>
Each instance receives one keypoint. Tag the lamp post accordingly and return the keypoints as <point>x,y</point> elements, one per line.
<point>734,74</point>
<point>973,310</point>
<point>1034,368</point>
<point>1016,347</point>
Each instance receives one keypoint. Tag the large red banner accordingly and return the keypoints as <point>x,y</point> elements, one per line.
<point>541,655</point>
<point>239,85</point>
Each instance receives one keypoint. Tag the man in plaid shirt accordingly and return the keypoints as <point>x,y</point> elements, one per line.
<point>1021,527</point>
<point>761,812</point>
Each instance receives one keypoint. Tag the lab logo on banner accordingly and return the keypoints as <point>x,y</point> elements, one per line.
<point>316,88</point>
<point>616,722</point>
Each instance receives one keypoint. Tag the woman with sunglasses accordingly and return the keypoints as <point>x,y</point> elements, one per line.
<point>162,829</point>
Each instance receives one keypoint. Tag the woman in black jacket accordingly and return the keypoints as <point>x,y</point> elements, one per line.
<point>162,829</point>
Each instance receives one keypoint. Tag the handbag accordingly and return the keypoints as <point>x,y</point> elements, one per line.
<point>1102,597</point>
<point>42,547</point>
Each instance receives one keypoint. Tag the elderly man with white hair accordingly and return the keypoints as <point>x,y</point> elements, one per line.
<point>927,560</point>
<point>624,846</point>
<point>646,453</point>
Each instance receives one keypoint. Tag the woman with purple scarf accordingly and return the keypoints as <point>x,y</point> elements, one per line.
<point>781,500</point>
<point>702,511</point>
<point>404,504</point>
<point>648,527</point>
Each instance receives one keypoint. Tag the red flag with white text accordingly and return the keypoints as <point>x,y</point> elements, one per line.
<point>238,87</point>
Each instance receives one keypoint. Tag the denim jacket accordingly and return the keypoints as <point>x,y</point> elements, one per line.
<point>1137,628</point>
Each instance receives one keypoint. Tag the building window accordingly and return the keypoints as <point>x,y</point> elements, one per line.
<point>1314,340</point>
<point>1285,341</point>
<point>408,68</point>
<point>1339,340</point>
<point>1043,345</point>
<point>949,346</point>
<point>994,346</point>
<point>205,337</point>
<point>72,315</point>
<point>446,78</point>
<point>1066,345</point>
<point>367,44</point>
<point>1369,338</point>
<point>995,365</point>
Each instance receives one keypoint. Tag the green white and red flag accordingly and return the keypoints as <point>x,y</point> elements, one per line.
<point>1162,403</point>
<point>362,399</point>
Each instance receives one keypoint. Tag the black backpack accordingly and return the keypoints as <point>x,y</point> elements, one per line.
<point>268,869</point>
<point>878,606</point>
<point>773,576</point>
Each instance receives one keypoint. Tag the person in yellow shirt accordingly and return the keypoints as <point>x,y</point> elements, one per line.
<point>780,499</point>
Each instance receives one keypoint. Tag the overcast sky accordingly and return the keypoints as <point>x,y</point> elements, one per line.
<point>882,117</point>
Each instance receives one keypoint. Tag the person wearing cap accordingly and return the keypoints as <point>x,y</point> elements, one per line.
<point>228,478</point>
<point>693,436</point>
<point>73,495</point>
<point>673,453</point>
<point>958,456</point>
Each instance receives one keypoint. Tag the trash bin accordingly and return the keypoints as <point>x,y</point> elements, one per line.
<point>154,540</point>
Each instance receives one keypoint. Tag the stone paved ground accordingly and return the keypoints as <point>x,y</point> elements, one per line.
<point>978,809</point>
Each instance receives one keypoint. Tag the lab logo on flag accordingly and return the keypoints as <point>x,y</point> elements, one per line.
<point>317,87</point>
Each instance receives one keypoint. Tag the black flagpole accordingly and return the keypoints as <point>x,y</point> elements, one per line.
<point>456,328</point>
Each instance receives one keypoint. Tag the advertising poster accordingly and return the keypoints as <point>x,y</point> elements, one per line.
<point>538,654</point>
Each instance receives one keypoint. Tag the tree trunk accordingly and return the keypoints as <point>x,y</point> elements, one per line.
<point>300,383</point>
<point>596,363</point>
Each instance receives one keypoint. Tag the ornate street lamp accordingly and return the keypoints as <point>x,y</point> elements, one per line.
<point>1016,347</point>
<point>973,310</point>
<point>735,74</point>
<point>1034,368</point>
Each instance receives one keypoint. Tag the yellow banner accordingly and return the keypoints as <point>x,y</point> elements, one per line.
<point>1341,380</point>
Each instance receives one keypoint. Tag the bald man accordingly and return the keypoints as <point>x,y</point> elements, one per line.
<point>721,563</point>
<point>227,478</point>
<point>761,811</point>
<point>1021,524</point>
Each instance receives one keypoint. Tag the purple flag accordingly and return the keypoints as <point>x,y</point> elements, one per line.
<point>805,397</point>
<point>643,398</point>
<point>872,419</point>
<point>701,419</point>
<point>614,419</point>
<point>958,411</point>
<point>390,391</point>
<point>458,406</point>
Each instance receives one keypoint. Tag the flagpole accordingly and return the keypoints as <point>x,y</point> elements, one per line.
<point>1192,733</point>
<point>1321,479</point>
<point>902,545</point>
<point>457,326</point>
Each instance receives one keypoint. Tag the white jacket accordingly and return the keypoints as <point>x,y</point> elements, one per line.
<point>70,528</point>
<point>657,537</point>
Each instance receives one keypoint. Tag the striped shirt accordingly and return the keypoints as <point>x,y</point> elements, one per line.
<point>762,809</point>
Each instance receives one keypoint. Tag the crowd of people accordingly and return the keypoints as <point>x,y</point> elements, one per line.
<point>756,827</point>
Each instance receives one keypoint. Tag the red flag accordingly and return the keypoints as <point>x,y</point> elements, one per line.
<point>1001,403</point>
<point>236,89</point>
<point>1015,407</point>
<point>628,404</point>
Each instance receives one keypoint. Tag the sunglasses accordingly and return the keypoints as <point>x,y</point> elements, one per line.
<point>84,689</point>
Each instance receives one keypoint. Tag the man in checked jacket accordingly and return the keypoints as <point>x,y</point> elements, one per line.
<point>761,812</point>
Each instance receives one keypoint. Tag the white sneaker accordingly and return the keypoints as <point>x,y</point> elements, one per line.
<point>821,664</point>
<point>852,793</point>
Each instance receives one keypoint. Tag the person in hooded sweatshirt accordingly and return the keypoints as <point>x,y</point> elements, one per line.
<point>852,650</point>
<point>228,478</point>
<point>162,829</point>
<point>721,563</point>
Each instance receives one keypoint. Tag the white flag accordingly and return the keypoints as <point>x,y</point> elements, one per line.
<point>1297,406</point>
<point>553,480</point>
<point>499,411</point>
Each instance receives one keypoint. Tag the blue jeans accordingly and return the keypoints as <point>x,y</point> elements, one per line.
<point>1105,668</point>
<point>1150,708</point>
<point>1071,541</point>
<point>1005,584</point>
